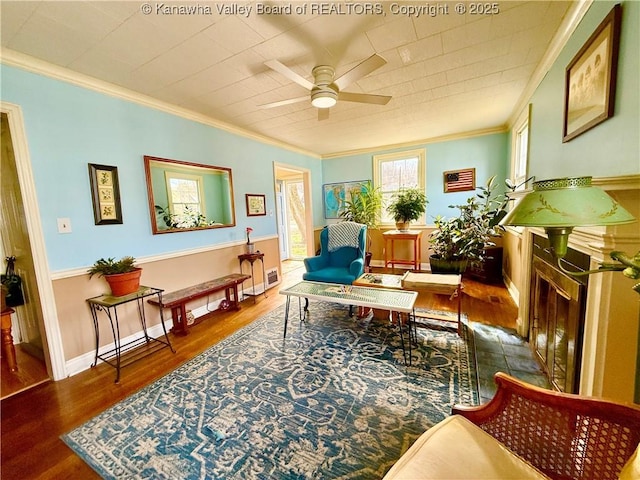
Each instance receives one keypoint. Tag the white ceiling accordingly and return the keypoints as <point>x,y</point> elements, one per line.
<point>448,73</point>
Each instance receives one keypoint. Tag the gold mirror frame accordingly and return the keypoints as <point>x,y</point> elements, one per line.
<point>216,208</point>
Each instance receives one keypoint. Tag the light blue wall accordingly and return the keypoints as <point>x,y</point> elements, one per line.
<point>612,147</point>
<point>488,154</point>
<point>68,127</point>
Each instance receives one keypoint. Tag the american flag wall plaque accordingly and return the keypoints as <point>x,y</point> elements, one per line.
<point>460,180</point>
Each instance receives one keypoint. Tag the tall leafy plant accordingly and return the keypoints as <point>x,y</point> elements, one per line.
<point>364,206</point>
<point>465,236</point>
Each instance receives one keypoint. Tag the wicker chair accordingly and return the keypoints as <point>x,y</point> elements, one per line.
<point>563,435</point>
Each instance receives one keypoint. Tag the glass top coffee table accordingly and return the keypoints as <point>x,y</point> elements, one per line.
<point>396,301</point>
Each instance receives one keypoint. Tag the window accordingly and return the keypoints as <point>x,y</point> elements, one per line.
<point>185,194</point>
<point>396,171</point>
<point>520,155</point>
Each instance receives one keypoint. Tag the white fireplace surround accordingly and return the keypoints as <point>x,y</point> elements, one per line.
<point>612,317</point>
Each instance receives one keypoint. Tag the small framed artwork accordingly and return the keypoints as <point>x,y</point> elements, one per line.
<point>336,195</point>
<point>590,79</point>
<point>105,192</point>
<point>256,205</point>
<point>459,180</point>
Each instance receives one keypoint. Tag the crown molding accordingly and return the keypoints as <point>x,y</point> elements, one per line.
<point>417,143</point>
<point>31,64</point>
<point>577,11</point>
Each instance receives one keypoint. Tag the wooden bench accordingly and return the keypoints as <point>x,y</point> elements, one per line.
<point>177,300</point>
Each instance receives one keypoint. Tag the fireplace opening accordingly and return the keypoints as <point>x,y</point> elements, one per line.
<point>557,314</point>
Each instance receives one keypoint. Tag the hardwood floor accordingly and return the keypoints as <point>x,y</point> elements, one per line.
<point>31,371</point>
<point>33,420</point>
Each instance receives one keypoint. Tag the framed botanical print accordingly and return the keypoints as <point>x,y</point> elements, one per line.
<point>256,204</point>
<point>105,192</point>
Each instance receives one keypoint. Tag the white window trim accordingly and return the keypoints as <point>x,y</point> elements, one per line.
<point>421,153</point>
<point>183,176</point>
<point>523,122</point>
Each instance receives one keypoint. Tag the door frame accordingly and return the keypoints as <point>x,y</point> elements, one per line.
<point>281,219</point>
<point>308,201</point>
<point>53,338</point>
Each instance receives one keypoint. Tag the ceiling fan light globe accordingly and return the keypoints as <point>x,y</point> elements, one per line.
<point>324,99</point>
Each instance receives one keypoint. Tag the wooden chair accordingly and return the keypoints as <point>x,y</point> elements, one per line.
<point>565,436</point>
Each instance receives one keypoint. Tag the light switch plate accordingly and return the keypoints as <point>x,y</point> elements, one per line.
<point>64,225</point>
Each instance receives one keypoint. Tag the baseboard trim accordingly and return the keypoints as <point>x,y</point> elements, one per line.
<point>83,362</point>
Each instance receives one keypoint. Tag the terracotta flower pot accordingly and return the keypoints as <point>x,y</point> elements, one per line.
<point>124,283</point>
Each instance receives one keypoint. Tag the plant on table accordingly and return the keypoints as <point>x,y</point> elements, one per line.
<point>122,275</point>
<point>111,266</point>
<point>406,206</point>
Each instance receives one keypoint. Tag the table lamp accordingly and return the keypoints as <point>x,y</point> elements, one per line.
<point>561,204</point>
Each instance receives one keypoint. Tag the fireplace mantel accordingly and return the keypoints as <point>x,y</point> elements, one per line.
<point>611,336</point>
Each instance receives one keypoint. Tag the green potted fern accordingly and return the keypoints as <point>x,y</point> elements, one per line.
<point>406,206</point>
<point>122,275</point>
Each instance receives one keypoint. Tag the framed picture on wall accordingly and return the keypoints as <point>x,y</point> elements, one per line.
<point>256,204</point>
<point>105,193</point>
<point>590,79</point>
<point>459,180</point>
<point>335,196</point>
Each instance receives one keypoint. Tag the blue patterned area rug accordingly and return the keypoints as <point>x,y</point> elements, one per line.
<point>333,401</point>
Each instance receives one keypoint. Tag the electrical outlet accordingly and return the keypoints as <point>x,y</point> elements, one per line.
<point>64,225</point>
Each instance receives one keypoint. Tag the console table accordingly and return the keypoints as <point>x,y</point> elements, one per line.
<point>251,258</point>
<point>138,348</point>
<point>411,235</point>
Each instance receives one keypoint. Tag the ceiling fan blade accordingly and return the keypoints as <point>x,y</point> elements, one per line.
<point>323,113</point>
<point>290,74</point>
<point>364,98</point>
<point>364,68</point>
<point>284,102</point>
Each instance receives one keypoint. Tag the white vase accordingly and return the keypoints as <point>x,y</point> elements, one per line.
<point>250,247</point>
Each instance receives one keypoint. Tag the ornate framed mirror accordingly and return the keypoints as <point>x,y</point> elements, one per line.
<point>185,196</point>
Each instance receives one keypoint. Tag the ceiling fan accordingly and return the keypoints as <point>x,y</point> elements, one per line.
<point>325,90</point>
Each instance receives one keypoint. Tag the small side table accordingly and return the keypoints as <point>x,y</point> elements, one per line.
<point>145,344</point>
<point>412,235</point>
<point>7,340</point>
<point>251,258</point>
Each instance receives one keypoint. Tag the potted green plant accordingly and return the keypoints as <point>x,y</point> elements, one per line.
<point>457,241</point>
<point>122,275</point>
<point>365,206</point>
<point>406,206</point>
<point>463,240</point>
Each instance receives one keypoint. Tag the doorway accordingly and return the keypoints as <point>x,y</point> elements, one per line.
<point>293,209</point>
<point>27,325</point>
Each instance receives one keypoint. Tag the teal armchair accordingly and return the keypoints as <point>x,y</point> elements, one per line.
<point>342,252</point>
